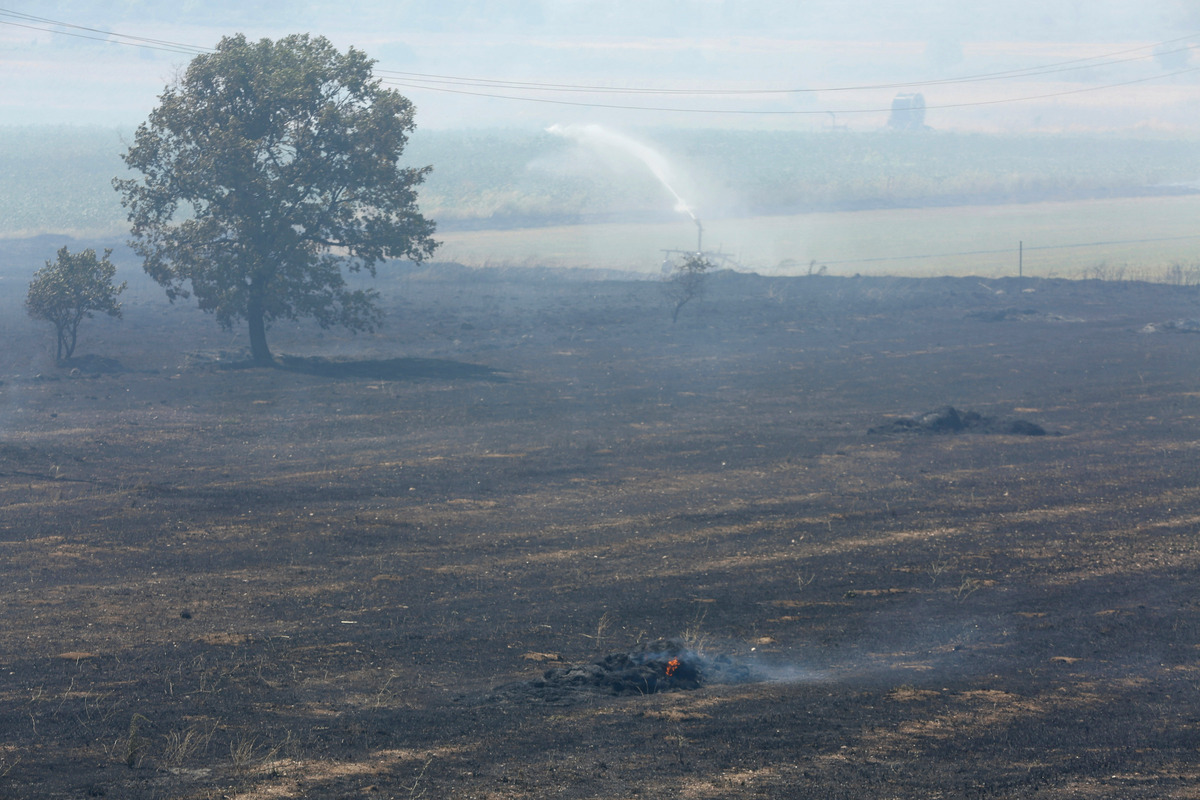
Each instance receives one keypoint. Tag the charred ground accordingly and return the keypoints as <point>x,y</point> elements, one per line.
<point>348,577</point>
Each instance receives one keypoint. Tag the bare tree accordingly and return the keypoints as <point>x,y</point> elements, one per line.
<point>686,282</point>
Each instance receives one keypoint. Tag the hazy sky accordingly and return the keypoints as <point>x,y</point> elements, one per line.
<point>1029,65</point>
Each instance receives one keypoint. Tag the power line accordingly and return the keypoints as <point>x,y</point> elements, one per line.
<point>477,87</point>
<point>788,112</point>
<point>1091,62</point>
<point>436,81</point>
<point>107,36</point>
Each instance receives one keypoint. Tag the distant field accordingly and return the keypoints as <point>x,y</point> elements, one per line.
<point>959,203</point>
<point>1122,238</point>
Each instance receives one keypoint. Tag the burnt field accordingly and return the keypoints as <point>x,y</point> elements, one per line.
<point>824,537</point>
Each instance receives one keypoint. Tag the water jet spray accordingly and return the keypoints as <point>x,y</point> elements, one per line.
<point>599,136</point>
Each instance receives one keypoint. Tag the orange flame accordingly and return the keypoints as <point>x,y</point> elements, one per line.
<point>672,665</point>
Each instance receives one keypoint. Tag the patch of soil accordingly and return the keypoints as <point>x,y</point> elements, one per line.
<point>1004,314</point>
<point>389,369</point>
<point>93,365</point>
<point>1011,314</point>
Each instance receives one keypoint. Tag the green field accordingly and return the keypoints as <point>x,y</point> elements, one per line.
<point>942,203</point>
<point>1142,238</point>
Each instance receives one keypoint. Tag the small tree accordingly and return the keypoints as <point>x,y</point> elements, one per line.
<point>686,282</point>
<point>267,168</point>
<point>71,288</point>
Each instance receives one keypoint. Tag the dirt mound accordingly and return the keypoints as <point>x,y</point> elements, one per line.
<point>661,666</point>
<point>948,419</point>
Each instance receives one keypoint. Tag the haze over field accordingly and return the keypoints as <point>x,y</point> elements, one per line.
<point>728,109</point>
<point>1046,66</point>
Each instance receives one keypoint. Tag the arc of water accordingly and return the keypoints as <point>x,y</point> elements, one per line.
<point>651,158</point>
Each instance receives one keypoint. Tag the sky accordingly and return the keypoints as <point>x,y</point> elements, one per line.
<point>1021,66</point>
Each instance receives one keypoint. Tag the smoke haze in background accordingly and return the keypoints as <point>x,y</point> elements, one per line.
<point>707,45</point>
<point>649,100</point>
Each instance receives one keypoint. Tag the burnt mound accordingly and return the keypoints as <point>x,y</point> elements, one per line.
<point>949,420</point>
<point>661,666</point>
<point>1173,326</point>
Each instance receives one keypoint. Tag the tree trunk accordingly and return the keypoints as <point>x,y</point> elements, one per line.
<point>259,352</point>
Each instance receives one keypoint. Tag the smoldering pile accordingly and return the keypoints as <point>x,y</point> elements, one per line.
<point>949,420</point>
<point>665,665</point>
<point>1173,326</point>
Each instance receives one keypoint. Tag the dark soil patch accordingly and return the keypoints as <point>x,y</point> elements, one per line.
<point>389,369</point>
<point>93,365</point>
<point>1004,314</point>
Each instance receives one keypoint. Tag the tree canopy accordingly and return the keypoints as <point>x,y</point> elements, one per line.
<point>267,168</point>
<point>68,290</point>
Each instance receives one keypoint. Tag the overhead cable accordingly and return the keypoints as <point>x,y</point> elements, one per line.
<point>106,36</point>
<point>494,89</point>
<point>787,112</point>
<point>1091,62</point>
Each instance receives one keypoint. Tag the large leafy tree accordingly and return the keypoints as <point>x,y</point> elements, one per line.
<point>270,170</point>
<point>69,290</point>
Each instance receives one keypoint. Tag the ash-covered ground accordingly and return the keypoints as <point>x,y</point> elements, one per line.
<point>457,558</point>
